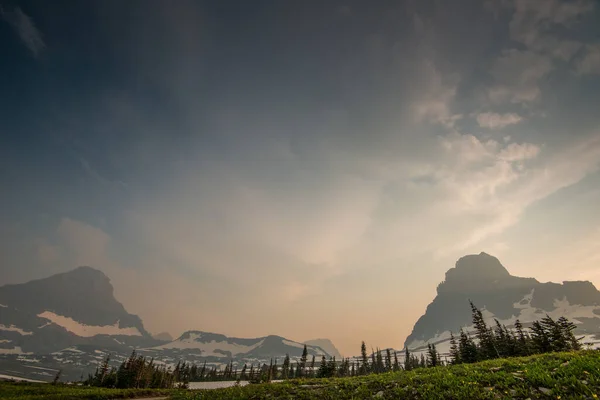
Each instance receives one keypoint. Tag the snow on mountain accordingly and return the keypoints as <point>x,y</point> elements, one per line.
<point>293,344</point>
<point>12,328</point>
<point>216,348</point>
<point>84,330</point>
<point>13,350</point>
<point>326,345</point>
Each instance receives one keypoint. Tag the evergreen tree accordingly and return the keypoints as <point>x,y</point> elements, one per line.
<point>331,367</point>
<point>388,360</point>
<point>364,367</point>
<point>312,367</point>
<point>303,360</point>
<point>285,370</point>
<point>379,359</point>
<point>467,348</point>
<point>373,367</point>
<point>432,356</point>
<point>484,335</point>
<point>522,340</point>
<point>407,360</point>
<point>322,373</point>
<point>396,363</point>
<point>454,352</point>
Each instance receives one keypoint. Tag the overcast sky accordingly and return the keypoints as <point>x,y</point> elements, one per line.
<point>302,168</point>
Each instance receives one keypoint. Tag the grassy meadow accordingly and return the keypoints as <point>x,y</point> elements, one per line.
<point>574,375</point>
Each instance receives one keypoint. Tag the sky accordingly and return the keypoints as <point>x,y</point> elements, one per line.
<point>307,169</point>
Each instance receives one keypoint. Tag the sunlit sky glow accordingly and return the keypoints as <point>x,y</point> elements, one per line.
<point>301,168</point>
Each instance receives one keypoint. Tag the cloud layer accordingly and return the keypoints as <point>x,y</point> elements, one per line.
<point>311,178</point>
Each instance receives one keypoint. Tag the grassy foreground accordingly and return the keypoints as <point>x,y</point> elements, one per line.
<point>35,391</point>
<point>557,376</point>
<point>548,376</point>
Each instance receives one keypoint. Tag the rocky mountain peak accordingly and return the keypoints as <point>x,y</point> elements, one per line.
<point>83,294</point>
<point>482,279</point>
<point>479,272</point>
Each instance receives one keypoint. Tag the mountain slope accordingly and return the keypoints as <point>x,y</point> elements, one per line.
<point>217,346</point>
<point>326,345</point>
<point>68,309</point>
<point>484,280</point>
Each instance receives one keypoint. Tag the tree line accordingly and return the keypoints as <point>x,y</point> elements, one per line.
<point>487,342</point>
<point>544,336</point>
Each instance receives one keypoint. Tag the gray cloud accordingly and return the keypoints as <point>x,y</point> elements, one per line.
<point>25,28</point>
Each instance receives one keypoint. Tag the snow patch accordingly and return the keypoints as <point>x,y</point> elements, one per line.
<point>14,350</point>
<point>3,306</point>
<point>5,341</point>
<point>69,350</point>
<point>438,338</point>
<point>13,328</point>
<point>208,349</point>
<point>83,330</point>
<point>293,344</point>
<point>18,378</point>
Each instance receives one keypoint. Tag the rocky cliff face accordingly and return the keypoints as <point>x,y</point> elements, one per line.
<point>484,280</point>
<point>73,308</point>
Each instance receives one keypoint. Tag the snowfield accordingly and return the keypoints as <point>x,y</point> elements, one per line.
<point>83,330</point>
<point>14,350</point>
<point>208,348</point>
<point>13,328</point>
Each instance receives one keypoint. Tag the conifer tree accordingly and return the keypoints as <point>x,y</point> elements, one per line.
<point>303,360</point>
<point>484,335</point>
<point>396,363</point>
<point>388,360</point>
<point>373,367</point>
<point>331,367</point>
<point>312,367</point>
<point>454,352</point>
<point>407,360</point>
<point>364,367</point>
<point>285,369</point>
<point>322,373</point>
<point>433,357</point>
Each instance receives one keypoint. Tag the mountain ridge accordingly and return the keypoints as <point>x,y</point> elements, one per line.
<point>482,279</point>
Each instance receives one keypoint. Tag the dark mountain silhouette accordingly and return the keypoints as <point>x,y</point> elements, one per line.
<point>484,280</point>
<point>84,294</point>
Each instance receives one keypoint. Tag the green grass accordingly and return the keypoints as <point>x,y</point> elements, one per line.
<point>559,375</point>
<point>35,391</point>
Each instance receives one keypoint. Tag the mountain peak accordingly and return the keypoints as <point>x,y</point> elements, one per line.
<point>84,294</point>
<point>482,279</point>
<point>476,272</point>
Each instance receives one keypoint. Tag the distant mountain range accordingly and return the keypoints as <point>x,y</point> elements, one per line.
<point>484,280</point>
<point>72,320</point>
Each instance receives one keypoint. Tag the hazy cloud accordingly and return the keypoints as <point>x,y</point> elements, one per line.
<point>25,28</point>
<point>497,121</point>
<point>590,63</point>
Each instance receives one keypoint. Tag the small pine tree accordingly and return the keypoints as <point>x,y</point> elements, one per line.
<point>303,360</point>
<point>364,367</point>
<point>396,363</point>
<point>454,352</point>
<point>407,360</point>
